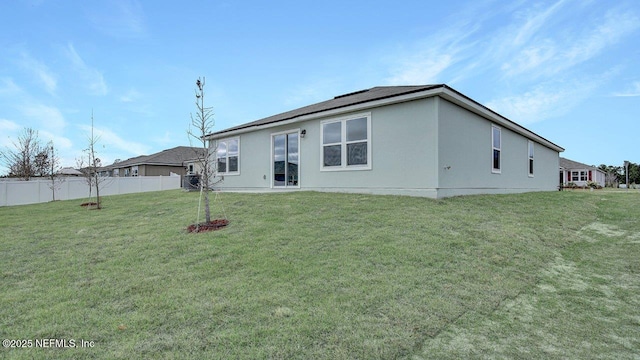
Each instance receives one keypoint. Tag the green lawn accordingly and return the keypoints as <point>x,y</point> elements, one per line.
<point>308,275</point>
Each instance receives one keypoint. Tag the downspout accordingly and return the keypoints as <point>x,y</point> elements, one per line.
<point>436,168</point>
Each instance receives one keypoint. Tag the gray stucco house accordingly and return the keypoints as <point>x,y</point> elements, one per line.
<point>426,140</point>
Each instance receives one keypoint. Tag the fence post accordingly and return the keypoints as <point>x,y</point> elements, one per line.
<point>3,191</point>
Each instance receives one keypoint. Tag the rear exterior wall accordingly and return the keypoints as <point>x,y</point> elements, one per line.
<point>403,154</point>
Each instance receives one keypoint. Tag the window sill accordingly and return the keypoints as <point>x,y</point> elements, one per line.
<point>350,168</point>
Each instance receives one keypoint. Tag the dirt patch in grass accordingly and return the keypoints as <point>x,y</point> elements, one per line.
<point>204,227</point>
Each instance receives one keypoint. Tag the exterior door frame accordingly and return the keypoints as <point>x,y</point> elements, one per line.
<point>272,159</point>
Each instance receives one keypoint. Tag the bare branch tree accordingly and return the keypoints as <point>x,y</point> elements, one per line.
<point>53,170</point>
<point>90,168</point>
<point>21,161</point>
<point>82,165</point>
<point>202,125</point>
<point>94,162</point>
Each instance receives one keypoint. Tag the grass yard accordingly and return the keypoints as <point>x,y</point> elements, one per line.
<point>307,275</point>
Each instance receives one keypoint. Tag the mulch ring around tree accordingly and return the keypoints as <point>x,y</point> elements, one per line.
<point>212,225</point>
<point>90,205</point>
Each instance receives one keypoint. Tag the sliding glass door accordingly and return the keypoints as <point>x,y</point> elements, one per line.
<point>286,159</point>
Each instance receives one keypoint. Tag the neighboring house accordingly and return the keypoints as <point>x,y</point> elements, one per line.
<point>411,140</point>
<point>193,166</point>
<point>69,171</point>
<point>161,163</point>
<point>579,173</point>
<point>104,171</point>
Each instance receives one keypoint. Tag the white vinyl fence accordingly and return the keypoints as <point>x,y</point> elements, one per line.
<point>16,192</point>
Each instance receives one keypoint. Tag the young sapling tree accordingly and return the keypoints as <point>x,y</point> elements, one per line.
<point>202,125</point>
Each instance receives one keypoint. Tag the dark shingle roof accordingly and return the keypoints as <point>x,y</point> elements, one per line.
<point>171,157</point>
<point>570,164</point>
<point>353,98</point>
<point>386,92</point>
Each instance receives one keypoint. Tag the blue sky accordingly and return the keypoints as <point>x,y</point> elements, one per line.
<point>567,70</point>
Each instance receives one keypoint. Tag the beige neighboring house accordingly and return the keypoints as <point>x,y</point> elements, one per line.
<point>193,166</point>
<point>162,163</point>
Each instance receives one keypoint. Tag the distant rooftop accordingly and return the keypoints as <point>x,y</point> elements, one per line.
<point>570,164</point>
<point>171,157</point>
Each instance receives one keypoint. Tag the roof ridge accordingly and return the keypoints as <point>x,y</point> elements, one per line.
<point>573,163</point>
<point>340,101</point>
<point>352,93</point>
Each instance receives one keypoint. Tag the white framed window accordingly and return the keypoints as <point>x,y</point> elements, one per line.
<point>496,149</point>
<point>346,143</point>
<point>530,153</point>
<point>579,175</point>
<point>134,170</point>
<point>228,156</point>
<point>583,175</point>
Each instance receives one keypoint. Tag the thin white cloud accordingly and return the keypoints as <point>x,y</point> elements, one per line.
<point>109,139</point>
<point>40,71</point>
<point>167,138</point>
<point>545,101</point>
<point>527,108</point>
<point>130,96</point>
<point>136,102</point>
<point>532,57</point>
<point>311,92</point>
<point>545,54</point>
<point>92,78</point>
<point>9,87</point>
<point>631,91</point>
<point>7,128</point>
<point>49,117</point>
<point>535,55</point>
<point>426,61</point>
<point>122,19</point>
<point>534,22</point>
<point>60,142</point>
<point>421,69</point>
<point>616,25</point>
<point>8,125</point>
